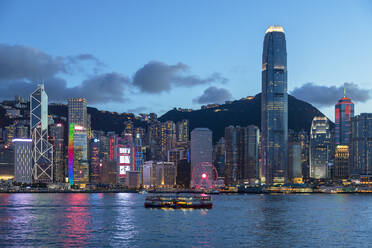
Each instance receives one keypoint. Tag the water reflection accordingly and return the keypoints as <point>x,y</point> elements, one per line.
<point>75,231</point>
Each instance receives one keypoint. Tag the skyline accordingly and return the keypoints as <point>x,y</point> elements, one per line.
<point>189,60</point>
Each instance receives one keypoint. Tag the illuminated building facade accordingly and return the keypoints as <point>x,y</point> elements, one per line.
<point>344,111</point>
<point>125,157</point>
<point>138,152</point>
<point>274,107</point>
<point>320,147</point>
<point>361,148</point>
<point>22,160</point>
<point>78,166</point>
<point>159,174</point>
<point>201,146</point>
<point>42,151</point>
<point>341,170</point>
<point>96,161</point>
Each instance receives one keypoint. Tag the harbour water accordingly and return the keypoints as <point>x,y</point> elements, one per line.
<point>120,220</point>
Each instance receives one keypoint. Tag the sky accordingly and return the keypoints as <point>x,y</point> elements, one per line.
<point>151,56</point>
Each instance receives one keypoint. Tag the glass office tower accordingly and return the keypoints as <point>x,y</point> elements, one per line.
<point>274,107</point>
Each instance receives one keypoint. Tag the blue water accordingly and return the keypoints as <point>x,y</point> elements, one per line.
<point>120,220</point>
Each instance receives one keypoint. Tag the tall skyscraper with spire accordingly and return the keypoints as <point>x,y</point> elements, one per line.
<point>42,150</point>
<point>344,111</point>
<point>274,107</point>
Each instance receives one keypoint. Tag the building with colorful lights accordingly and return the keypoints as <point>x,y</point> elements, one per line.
<point>274,108</point>
<point>78,167</point>
<point>22,160</point>
<point>344,111</point>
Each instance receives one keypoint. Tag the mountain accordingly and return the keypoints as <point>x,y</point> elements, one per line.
<point>243,113</point>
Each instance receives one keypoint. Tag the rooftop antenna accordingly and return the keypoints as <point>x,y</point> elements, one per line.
<point>344,90</point>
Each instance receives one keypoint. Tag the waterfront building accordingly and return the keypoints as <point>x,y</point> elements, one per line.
<point>125,157</point>
<point>77,112</point>
<point>138,152</point>
<point>294,162</point>
<point>183,177</point>
<point>320,147</point>
<point>219,156</point>
<point>274,107</point>
<point>78,167</point>
<point>241,146</point>
<point>361,144</point>
<point>42,150</point>
<point>201,146</point>
<point>23,160</point>
<point>159,174</point>
<point>96,161</point>
<point>57,140</point>
<point>251,155</point>
<point>133,179</point>
<point>341,166</point>
<point>344,111</point>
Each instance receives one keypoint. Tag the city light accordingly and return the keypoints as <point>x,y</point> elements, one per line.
<point>204,176</point>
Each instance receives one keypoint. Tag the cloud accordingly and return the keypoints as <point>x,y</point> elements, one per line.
<point>156,77</point>
<point>137,110</point>
<point>329,95</point>
<point>20,62</point>
<point>213,95</point>
<point>102,88</point>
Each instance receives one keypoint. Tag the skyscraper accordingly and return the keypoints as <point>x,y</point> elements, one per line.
<point>201,146</point>
<point>361,148</point>
<point>77,112</point>
<point>341,170</point>
<point>320,147</point>
<point>42,151</point>
<point>23,160</point>
<point>241,145</point>
<point>344,111</point>
<point>78,166</point>
<point>57,134</point>
<point>274,107</point>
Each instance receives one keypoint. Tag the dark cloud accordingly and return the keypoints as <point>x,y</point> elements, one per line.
<point>156,77</point>
<point>137,110</point>
<point>22,62</point>
<point>21,67</point>
<point>103,88</point>
<point>328,95</point>
<point>213,95</point>
<point>85,57</point>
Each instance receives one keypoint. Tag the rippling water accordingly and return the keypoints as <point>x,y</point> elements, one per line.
<point>120,220</point>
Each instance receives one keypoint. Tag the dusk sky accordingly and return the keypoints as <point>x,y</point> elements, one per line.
<point>151,56</point>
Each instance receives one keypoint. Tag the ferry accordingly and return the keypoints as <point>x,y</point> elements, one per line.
<point>175,201</point>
